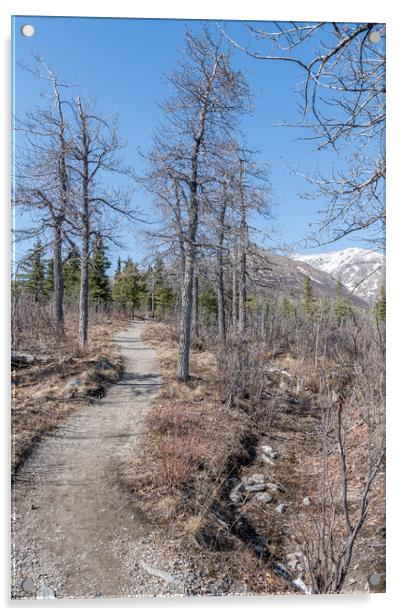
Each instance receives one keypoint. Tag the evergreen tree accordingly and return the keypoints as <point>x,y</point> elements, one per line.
<point>343,308</point>
<point>72,274</point>
<point>381,305</point>
<point>288,310</point>
<point>31,275</point>
<point>128,286</point>
<point>164,296</point>
<point>208,299</point>
<point>99,287</point>
<point>308,299</point>
<point>48,284</point>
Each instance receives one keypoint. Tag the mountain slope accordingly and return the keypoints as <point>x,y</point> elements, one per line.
<point>361,271</point>
<point>278,276</point>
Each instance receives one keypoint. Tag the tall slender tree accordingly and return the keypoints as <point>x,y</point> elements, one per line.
<point>42,178</point>
<point>208,97</point>
<point>94,156</point>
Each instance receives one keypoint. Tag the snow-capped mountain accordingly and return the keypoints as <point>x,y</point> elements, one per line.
<point>360,271</point>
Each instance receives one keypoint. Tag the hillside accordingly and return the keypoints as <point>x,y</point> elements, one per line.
<point>279,276</point>
<point>360,271</point>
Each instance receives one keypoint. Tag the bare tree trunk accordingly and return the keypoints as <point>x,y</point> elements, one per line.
<point>58,280</point>
<point>195,310</point>
<point>243,256</point>
<point>84,291</point>
<point>235,304</point>
<point>152,304</point>
<point>85,233</point>
<point>221,287</point>
<point>187,288</point>
<point>185,322</point>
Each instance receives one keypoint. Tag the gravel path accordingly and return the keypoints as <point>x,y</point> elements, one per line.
<point>76,533</point>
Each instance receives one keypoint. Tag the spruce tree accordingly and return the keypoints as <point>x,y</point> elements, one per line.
<point>71,274</point>
<point>342,305</point>
<point>128,286</point>
<point>308,299</point>
<point>287,308</point>
<point>48,284</point>
<point>164,296</point>
<point>208,299</point>
<point>31,275</point>
<point>99,286</point>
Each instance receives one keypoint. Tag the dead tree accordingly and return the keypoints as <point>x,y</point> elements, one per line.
<point>243,244</point>
<point>343,105</point>
<point>208,97</point>
<point>42,179</point>
<point>220,272</point>
<point>94,156</point>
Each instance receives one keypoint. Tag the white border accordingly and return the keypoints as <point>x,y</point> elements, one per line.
<point>342,10</point>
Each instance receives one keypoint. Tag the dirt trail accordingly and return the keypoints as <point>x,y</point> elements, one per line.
<point>75,531</point>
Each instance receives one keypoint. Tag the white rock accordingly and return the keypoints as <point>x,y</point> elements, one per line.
<point>306,501</point>
<point>267,459</point>
<point>263,497</point>
<point>281,508</point>
<point>253,479</point>
<point>269,451</point>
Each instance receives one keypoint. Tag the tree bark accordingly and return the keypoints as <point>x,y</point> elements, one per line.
<point>235,304</point>
<point>221,287</point>
<point>58,296</point>
<point>85,233</point>
<point>84,291</point>
<point>63,191</point>
<point>243,256</point>
<point>195,310</point>
<point>185,322</point>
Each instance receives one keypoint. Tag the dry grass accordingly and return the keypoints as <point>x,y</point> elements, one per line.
<point>58,378</point>
<point>194,442</point>
<point>192,445</point>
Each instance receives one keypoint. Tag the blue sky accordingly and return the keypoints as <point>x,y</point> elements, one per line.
<point>122,63</point>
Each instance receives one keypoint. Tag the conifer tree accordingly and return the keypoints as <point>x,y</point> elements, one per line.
<point>288,310</point>
<point>48,284</point>
<point>99,286</point>
<point>342,305</point>
<point>209,299</point>
<point>160,294</point>
<point>31,276</point>
<point>71,274</point>
<point>128,287</point>
<point>308,299</point>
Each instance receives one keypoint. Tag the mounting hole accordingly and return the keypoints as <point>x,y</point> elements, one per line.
<point>374,37</point>
<point>27,30</point>
<point>374,579</point>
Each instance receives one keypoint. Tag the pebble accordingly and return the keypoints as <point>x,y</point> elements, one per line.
<point>263,497</point>
<point>281,508</point>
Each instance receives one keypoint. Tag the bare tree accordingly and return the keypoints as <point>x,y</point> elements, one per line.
<point>94,157</point>
<point>208,97</point>
<point>42,179</point>
<point>343,105</point>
